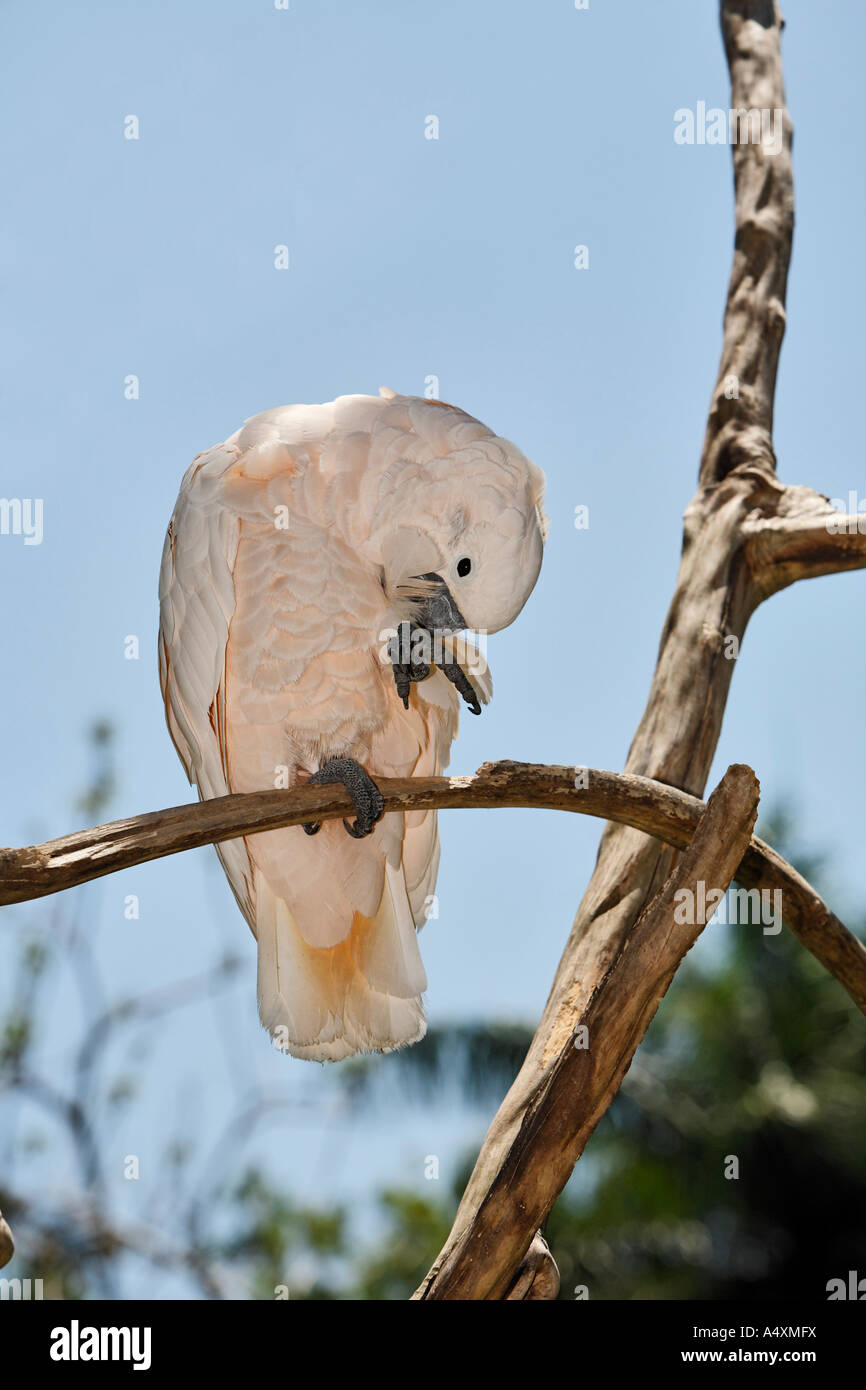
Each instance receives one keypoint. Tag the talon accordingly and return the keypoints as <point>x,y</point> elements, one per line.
<point>311,827</point>
<point>405,672</point>
<point>461,681</point>
<point>368,800</point>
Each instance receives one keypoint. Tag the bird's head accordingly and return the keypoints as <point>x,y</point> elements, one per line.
<point>465,546</point>
<point>479,578</point>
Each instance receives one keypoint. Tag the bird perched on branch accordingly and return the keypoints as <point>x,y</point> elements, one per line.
<point>318,572</point>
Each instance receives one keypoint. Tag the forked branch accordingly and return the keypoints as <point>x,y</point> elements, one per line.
<point>591,1065</point>
<point>664,812</point>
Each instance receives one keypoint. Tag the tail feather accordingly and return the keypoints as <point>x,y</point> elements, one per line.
<point>361,995</point>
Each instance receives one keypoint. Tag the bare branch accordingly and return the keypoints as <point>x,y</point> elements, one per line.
<point>740,425</point>
<point>590,1067</point>
<point>38,870</point>
<point>804,544</point>
<point>640,803</point>
<point>537,1277</point>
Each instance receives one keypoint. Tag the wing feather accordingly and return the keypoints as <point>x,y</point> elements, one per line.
<point>196,602</point>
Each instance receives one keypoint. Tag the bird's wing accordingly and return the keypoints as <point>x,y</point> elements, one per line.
<point>196,605</point>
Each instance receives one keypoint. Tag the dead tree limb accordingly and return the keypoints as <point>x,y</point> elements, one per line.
<point>746,535</point>
<point>652,807</point>
<point>590,1066</point>
<point>645,805</point>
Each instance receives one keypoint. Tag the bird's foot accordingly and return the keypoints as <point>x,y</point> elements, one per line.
<point>407,670</point>
<point>406,664</point>
<point>404,675</point>
<point>368,800</point>
<point>463,684</point>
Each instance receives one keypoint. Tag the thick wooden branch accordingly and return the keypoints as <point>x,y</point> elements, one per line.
<point>537,1279</point>
<point>740,424</point>
<point>661,811</point>
<point>808,917</point>
<point>592,1063</point>
<point>38,870</point>
<point>804,537</point>
<point>727,568</point>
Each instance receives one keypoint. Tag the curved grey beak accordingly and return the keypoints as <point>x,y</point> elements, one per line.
<point>438,612</point>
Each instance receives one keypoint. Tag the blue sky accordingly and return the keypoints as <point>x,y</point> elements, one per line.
<point>409,257</point>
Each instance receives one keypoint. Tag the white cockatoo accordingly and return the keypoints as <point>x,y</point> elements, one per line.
<point>296,550</point>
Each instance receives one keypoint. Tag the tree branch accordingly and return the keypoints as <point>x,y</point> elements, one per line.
<point>591,1065</point>
<point>740,423</point>
<point>56,865</point>
<point>809,539</point>
<point>651,807</point>
<point>721,581</point>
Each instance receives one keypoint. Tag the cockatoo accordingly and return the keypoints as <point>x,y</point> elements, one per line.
<point>305,558</point>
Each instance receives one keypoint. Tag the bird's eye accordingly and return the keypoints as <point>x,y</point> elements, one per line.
<point>464,566</point>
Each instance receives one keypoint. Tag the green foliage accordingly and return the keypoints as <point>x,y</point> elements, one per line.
<point>277,1237</point>
<point>755,1068</point>
<point>415,1227</point>
<point>758,1058</point>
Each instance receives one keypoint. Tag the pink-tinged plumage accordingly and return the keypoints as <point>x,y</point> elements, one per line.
<point>292,549</point>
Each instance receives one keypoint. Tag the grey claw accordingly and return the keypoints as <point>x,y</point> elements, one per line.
<point>406,673</point>
<point>369,802</point>
<point>462,683</point>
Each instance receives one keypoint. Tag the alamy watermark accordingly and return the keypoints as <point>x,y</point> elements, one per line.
<point>77,1343</point>
<point>738,907</point>
<point>852,520</point>
<point>22,516</point>
<point>24,1289</point>
<point>416,646</point>
<point>737,126</point>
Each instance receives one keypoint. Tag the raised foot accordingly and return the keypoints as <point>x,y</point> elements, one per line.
<point>459,678</point>
<point>368,800</point>
<point>408,672</point>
